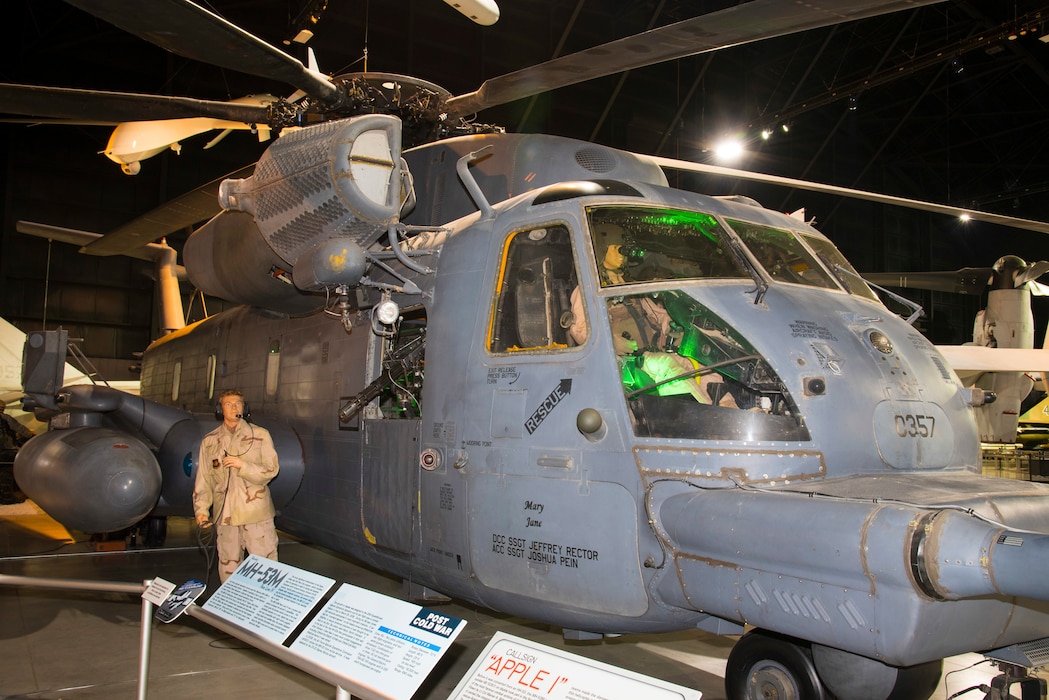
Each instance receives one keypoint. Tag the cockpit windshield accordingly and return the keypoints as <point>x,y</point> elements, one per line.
<point>782,255</point>
<point>643,244</point>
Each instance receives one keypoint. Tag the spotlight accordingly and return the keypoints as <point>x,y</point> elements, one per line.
<point>766,134</point>
<point>729,150</point>
<point>957,67</point>
<point>785,127</point>
<point>965,217</point>
<point>854,103</point>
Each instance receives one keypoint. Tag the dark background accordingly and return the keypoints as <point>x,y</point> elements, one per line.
<point>921,130</point>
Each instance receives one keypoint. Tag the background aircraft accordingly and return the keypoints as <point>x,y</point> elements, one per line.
<point>450,488</point>
<point>1005,323</point>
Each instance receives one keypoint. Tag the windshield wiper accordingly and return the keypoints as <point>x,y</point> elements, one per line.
<point>918,311</point>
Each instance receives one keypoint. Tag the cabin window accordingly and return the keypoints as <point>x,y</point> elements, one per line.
<point>212,364</point>
<point>273,367</point>
<point>783,256</point>
<point>176,379</point>
<point>647,244</point>
<point>537,306</point>
<point>688,374</point>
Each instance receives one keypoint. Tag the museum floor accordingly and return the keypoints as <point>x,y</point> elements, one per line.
<point>83,645</point>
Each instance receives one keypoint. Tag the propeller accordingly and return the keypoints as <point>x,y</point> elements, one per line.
<point>184,28</point>
<point>976,215</point>
<point>114,107</point>
<point>187,29</point>
<point>1008,272</point>
<point>183,211</point>
<point>744,23</point>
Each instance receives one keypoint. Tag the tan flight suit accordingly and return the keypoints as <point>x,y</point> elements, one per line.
<point>238,500</point>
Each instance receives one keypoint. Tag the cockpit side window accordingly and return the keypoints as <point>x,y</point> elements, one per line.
<point>687,373</point>
<point>782,255</point>
<point>841,268</point>
<point>533,307</point>
<point>647,244</point>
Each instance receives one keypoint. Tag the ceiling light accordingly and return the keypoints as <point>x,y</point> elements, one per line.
<point>854,103</point>
<point>728,150</point>
<point>766,134</point>
<point>957,66</point>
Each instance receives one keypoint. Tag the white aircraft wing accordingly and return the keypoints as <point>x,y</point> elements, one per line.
<point>970,361</point>
<point>966,359</point>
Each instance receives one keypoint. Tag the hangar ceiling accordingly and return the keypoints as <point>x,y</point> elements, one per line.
<point>877,104</point>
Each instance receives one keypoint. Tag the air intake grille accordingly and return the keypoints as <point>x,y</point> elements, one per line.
<point>596,160</point>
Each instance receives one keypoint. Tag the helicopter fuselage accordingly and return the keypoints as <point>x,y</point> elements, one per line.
<point>528,471</point>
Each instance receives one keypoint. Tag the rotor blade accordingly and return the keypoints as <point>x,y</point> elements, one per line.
<point>150,251</point>
<point>1032,272</point>
<point>47,121</point>
<point>750,21</point>
<point>191,31</point>
<point>1000,219</point>
<point>186,210</point>
<point>968,280</point>
<point>93,105</point>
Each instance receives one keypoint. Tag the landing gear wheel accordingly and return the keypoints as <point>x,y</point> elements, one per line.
<point>768,666</point>
<point>848,675</point>
<point>917,682</point>
<point>155,530</point>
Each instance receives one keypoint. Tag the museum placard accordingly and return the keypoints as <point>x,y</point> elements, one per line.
<point>511,668</point>
<point>382,643</point>
<point>268,597</point>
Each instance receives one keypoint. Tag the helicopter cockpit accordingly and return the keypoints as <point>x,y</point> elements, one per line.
<point>686,372</point>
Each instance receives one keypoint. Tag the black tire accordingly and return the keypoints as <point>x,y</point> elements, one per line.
<point>768,666</point>
<point>917,682</point>
<point>155,530</point>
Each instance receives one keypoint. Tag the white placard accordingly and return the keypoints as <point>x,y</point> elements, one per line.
<point>380,642</point>
<point>268,597</point>
<point>158,591</point>
<point>511,668</point>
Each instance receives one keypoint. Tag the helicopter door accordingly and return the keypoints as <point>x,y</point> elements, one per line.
<point>389,481</point>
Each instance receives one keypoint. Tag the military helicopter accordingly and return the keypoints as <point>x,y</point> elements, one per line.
<point>523,371</point>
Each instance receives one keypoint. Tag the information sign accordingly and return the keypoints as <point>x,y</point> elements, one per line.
<point>511,668</point>
<point>381,642</point>
<point>268,597</point>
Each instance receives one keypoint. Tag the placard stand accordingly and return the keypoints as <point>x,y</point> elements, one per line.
<point>363,643</point>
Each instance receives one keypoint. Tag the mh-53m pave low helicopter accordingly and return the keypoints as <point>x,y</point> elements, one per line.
<point>571,393</point>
